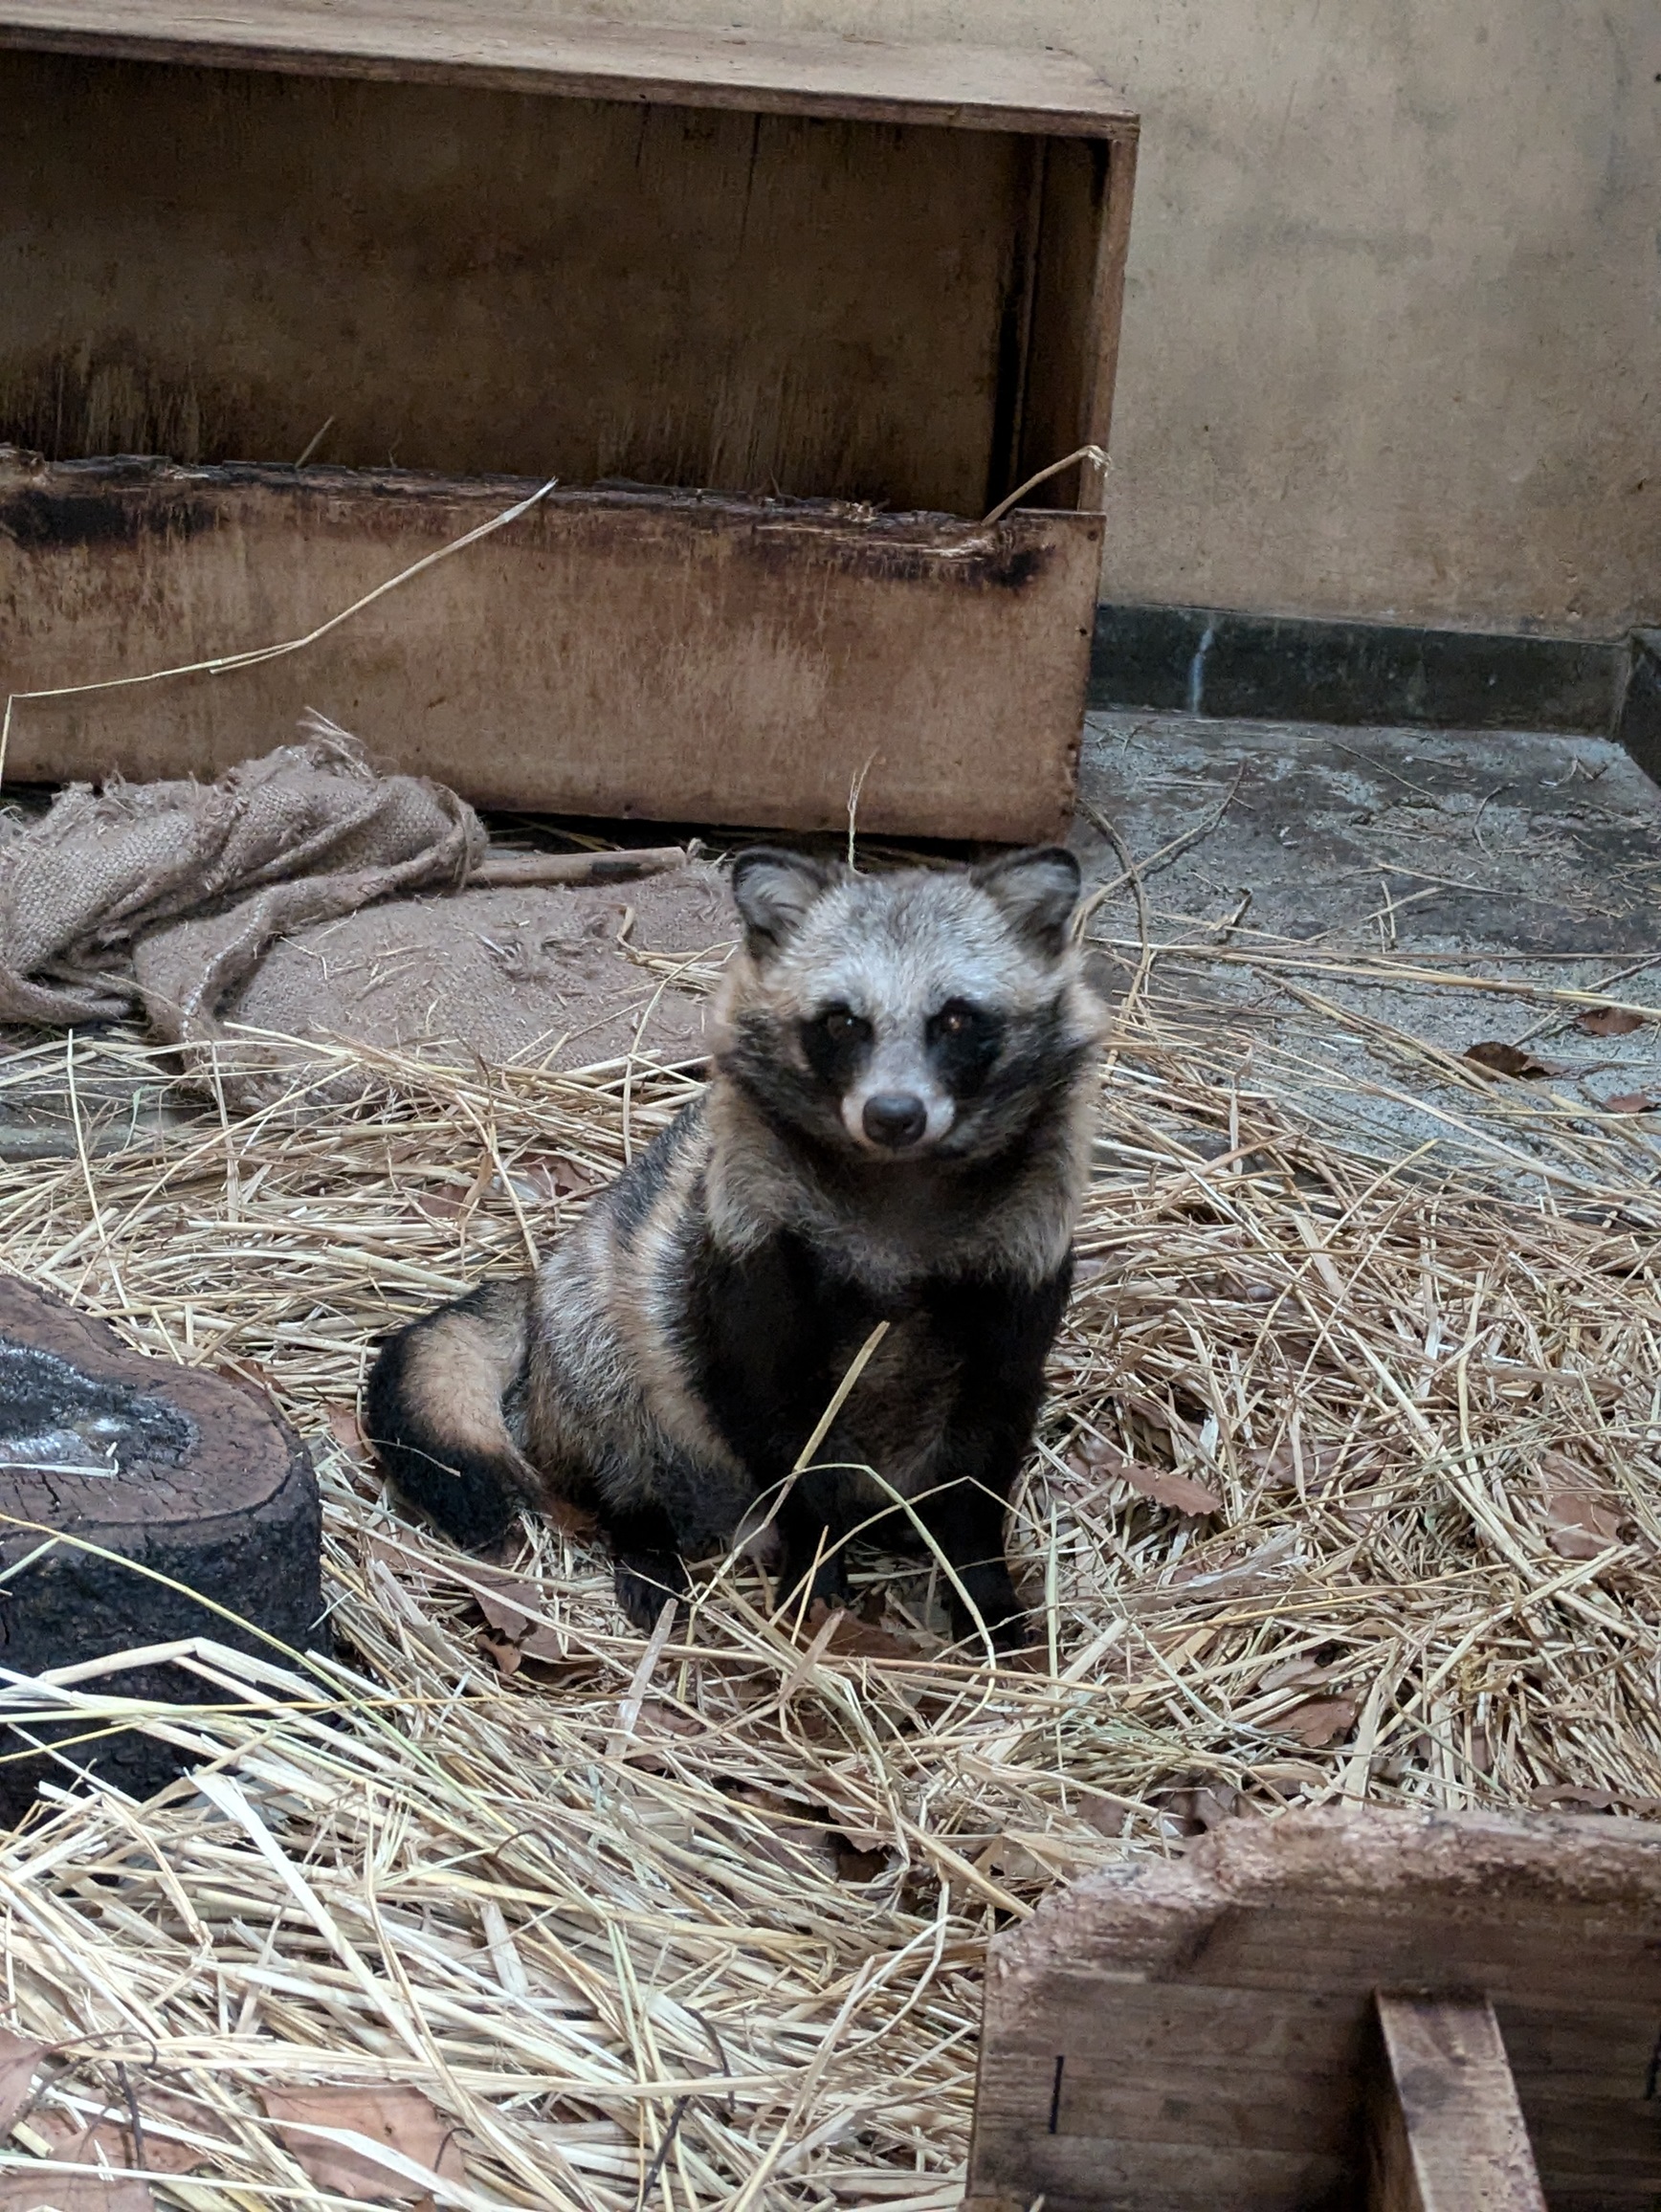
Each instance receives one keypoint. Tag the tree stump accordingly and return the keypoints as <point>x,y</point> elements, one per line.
<point>162,1467</point>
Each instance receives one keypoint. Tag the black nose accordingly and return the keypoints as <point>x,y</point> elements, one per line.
<point>896,1119</point>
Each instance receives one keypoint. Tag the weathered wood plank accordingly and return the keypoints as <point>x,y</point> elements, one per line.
<point>516,45</point>
<point>1222,2005</point>
<point>1447,2133</point>
<point>217,266</point>
<point>614,652</point>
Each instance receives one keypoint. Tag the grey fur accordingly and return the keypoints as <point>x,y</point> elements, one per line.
<point>610,1340</point>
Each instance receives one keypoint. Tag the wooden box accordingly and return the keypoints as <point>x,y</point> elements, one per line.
<point>296,294</point>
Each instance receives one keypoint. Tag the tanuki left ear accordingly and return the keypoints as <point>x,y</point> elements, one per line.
<point>773,890</point>
<point>1037,890</point>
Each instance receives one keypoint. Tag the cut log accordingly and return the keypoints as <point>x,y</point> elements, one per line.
<point>140,1502</point>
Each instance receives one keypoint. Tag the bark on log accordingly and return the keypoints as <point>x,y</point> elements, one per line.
<point>110,1465</point>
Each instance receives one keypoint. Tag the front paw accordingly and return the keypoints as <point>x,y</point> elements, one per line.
<point>1002,1616</point>
<point>645,1582</point>
<point>823,1583</point>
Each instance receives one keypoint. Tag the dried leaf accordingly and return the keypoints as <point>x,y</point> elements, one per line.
<point>19,2056</point>
<point>1318,1721</point>
<point>1631,1103</point>
<point>1280,1467</point>
<point>1608,1022</point>
<point>246,1371</point>
<point>111,2142</point>
<point>546,1176</point>
<point>1496,1058</point>
<point>1580,1525</point>
<point>514,1609</point>
<point>21,2192</point>
<point>1163,1484</point>
<point>399,2117</point>
<point>852,1638</point>
<point>344,1428</point>
<point>1156,1415</point>
<point>1564,1793</point>
<point>1007,1860</point>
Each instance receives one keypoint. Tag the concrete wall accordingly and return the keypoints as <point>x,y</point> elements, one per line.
<point>1393,326</point>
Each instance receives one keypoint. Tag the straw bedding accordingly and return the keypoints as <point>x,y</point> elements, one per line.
<point>1347,1488</point>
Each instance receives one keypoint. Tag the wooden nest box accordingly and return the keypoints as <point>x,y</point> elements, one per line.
<point>296,293</point>
<point>1355,2009</point>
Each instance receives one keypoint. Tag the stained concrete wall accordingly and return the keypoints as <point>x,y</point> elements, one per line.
<point>1393,325</point>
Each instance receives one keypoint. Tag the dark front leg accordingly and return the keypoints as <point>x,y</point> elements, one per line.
<point>811,1523</point>
<point>648,1570</point>
<point>1000,1334</point>
<point>965,1518</point>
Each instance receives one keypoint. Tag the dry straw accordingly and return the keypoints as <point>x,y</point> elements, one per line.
<point>699,1921</point>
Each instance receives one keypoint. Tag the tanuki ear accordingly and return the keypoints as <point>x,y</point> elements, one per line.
<point>773,890</point>
<point>1037,890</point>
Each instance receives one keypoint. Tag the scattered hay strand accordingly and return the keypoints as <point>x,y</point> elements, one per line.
<point>697,1920</point>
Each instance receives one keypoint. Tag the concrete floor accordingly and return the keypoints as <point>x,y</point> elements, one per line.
<point>1339,915</point>
<point>1334,901</point>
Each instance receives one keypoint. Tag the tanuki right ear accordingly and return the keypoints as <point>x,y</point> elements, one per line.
<point>773,890</point>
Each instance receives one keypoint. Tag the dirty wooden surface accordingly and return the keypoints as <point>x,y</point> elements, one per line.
<point>1164,2039</point>
<point>614,652</point>
<point>232,266</point>
<point>495,41</point>
<point>1447,2131</point>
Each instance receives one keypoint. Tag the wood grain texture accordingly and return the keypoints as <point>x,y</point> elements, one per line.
<point>213,265</point>
<point>625,654</point>
<point>515,45</point>
<point>1447,2133</point>
<point>1193,2035</point>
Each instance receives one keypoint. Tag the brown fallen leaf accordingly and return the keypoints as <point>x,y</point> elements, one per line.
<point>1631,1103</point>
<point>1608,1022</point>
<point>1580,1525</point>
<point>19,2056</point>
<point>1180,1493</point>
<point>344,1428</point>
<point>852,1638</point>
<point>246,1371</point>
<point>548,1175</point>
<point>395,2115</point>
<point>515,1608</point>
<point>52,2192</point>
<point>1574,1799</point>
<point>1280,1467</point>
<point>439,1208</point>
<point>111,2142</point>
<point>1318,1721</point>
<point>1497,1058</point>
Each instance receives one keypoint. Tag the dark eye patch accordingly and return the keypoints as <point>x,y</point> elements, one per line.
<point>964,1040</point>
<point>835,1040</point>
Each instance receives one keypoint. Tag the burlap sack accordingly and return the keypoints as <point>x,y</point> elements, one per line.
<point>166,896</point>
<point>260,917</point>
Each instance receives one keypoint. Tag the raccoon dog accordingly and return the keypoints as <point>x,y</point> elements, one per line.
<point>896,1129</point>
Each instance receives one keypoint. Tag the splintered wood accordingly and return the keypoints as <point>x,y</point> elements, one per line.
<point>715,1921</point>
